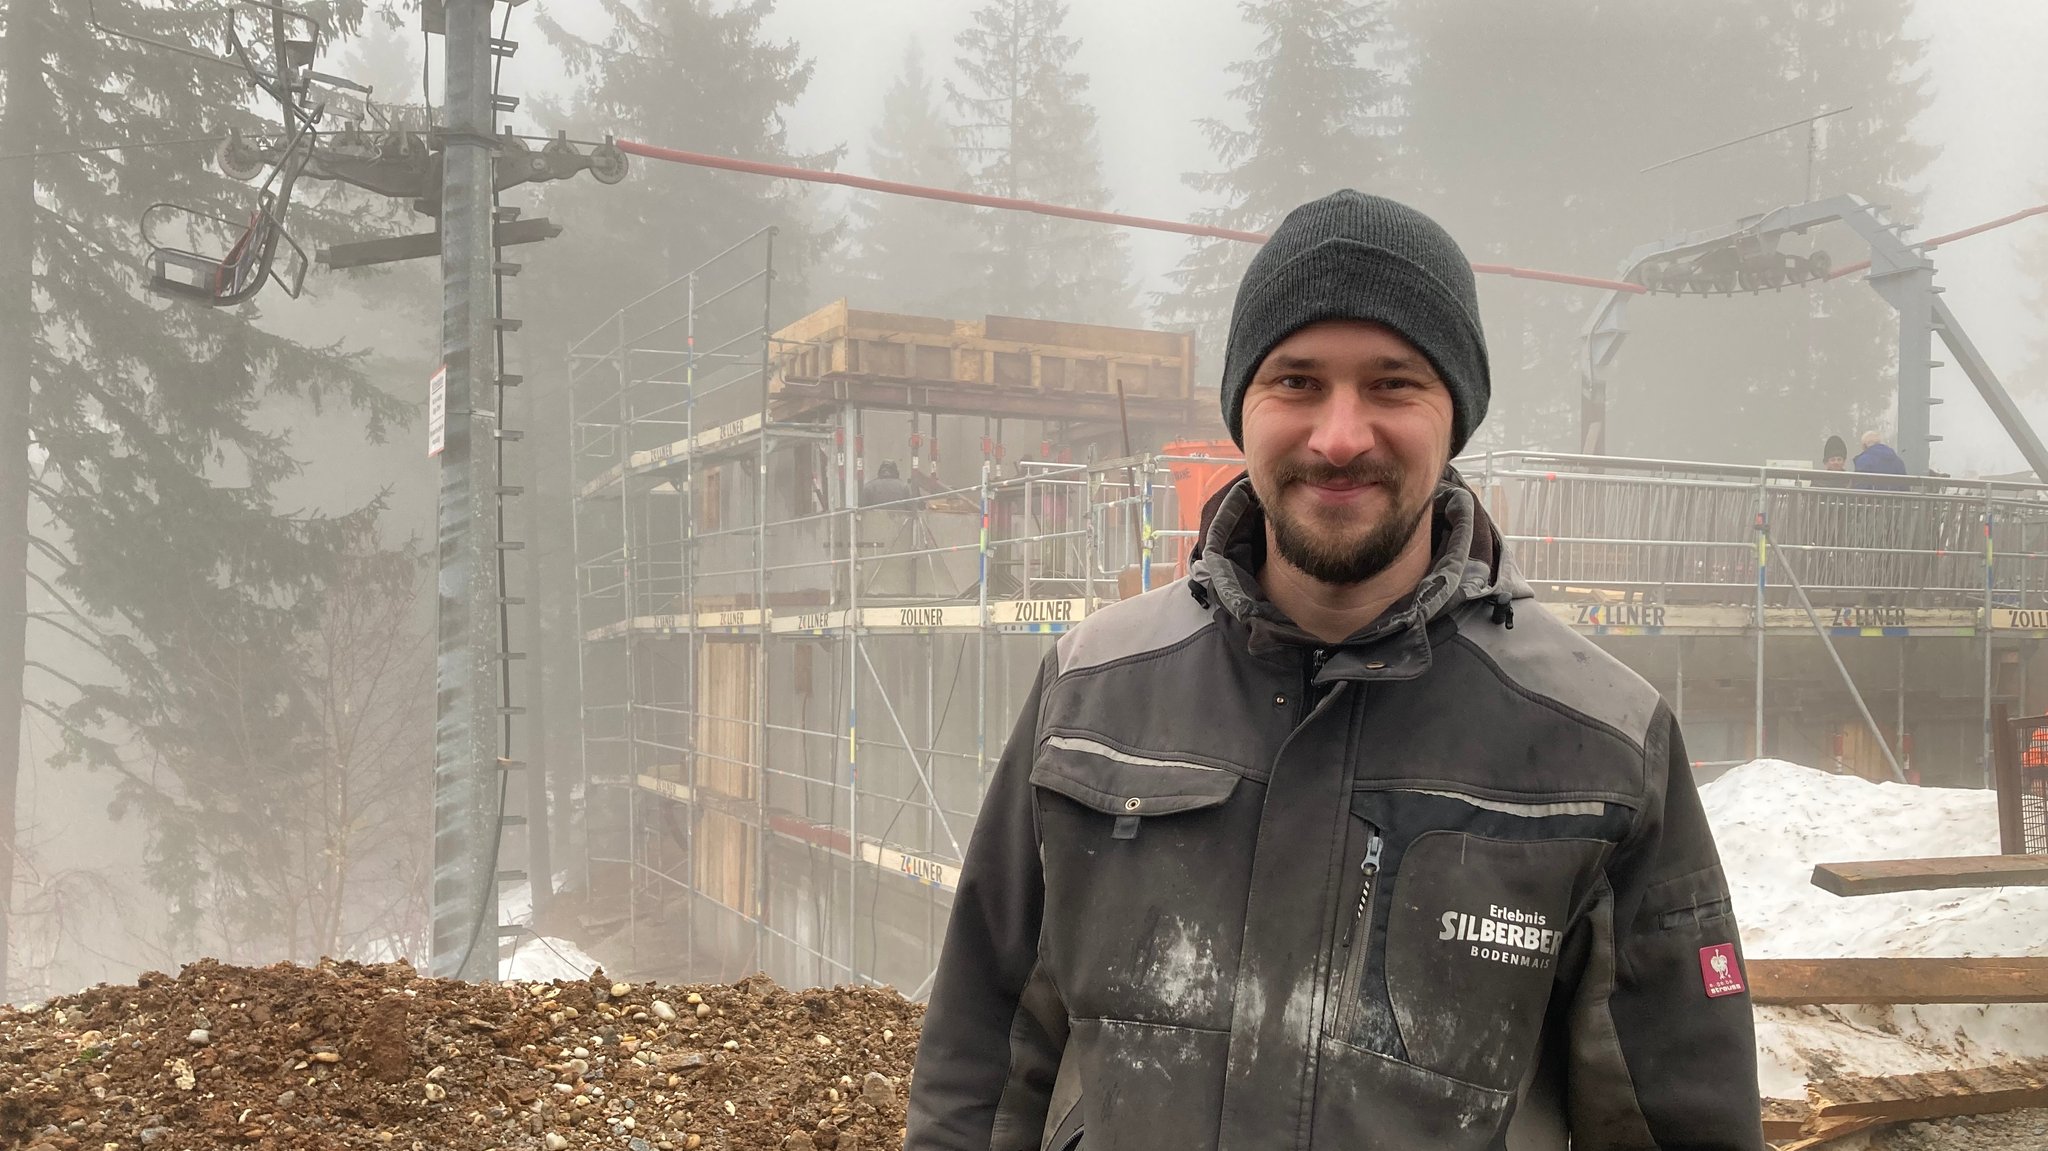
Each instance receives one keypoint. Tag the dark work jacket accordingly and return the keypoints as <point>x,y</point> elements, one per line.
<point>1446,885</point>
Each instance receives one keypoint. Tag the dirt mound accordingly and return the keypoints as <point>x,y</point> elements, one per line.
<point>375,1057</point>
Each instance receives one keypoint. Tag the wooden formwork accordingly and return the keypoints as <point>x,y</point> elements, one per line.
<point>728,772</point>
<point>1019,359</point>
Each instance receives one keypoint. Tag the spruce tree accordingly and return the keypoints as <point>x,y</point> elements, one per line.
<point>137,468</point>
<point>1526,133</point>
<point>692,74</point>
<point>1314,119</point>
<point>905,254</point>
<point>1026,130</point>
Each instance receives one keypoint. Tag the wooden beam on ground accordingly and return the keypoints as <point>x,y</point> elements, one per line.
<point>1786,1118</point>
<point>1804,982</point>
<point>1882,876</point>
<point>1933,1094</point>
<point>1832,1131</point>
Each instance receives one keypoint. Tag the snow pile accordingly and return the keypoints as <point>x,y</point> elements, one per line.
<point>542,959</point>
<point>539,959</point>
<point>1773,822</point>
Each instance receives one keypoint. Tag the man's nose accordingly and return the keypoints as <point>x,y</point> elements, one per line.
<point>1344,428</point>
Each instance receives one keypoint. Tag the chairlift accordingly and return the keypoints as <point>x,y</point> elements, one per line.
<point>251,260</point>
<point>294,41</point>
<point>228,280</point>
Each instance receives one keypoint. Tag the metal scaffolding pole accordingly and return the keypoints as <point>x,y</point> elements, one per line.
<point>1763,544</point>
<point>466,783</point>
<point>1990,578</point>
<point>761,695</point>
<point>1842,669</point>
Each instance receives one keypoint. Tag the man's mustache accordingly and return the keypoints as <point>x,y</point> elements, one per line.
<point>1363,470</point>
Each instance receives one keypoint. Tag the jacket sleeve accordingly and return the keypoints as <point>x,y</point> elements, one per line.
<point>1661,1051</point>
<point>995,1028</point>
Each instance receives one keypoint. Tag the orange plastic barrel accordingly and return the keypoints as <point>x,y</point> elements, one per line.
<point>1196,479</point>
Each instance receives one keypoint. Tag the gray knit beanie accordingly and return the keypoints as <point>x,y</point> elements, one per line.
<point>1352,256</point>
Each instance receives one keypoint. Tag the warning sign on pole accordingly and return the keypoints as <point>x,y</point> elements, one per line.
<point>437,412</point>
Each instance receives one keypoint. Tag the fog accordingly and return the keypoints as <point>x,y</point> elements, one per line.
<point>1704,380</point>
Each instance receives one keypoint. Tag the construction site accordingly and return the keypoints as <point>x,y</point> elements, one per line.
<point>821,553</point>
<point>819,566</point>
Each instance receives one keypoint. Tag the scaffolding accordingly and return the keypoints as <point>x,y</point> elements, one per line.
<point>796,679</point>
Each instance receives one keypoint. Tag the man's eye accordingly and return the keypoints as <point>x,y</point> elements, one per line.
<point>1294,383</point>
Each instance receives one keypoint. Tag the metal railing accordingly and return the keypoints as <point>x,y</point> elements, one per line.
<point>1688,532</point>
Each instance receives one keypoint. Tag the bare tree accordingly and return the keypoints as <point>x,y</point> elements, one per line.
<point>288,786</point>
<point>53,916</point>
<point>373,674</point>
<point>346,866</point>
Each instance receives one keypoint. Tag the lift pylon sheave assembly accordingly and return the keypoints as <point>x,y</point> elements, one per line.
<point>1746,259</point>
<point>378,148</point>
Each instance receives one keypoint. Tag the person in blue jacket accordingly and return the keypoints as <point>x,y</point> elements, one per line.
<point>1878,459</point>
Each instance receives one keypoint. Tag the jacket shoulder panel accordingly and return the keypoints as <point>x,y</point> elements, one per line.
<point>1543,656</point>
<point>1156,620</point>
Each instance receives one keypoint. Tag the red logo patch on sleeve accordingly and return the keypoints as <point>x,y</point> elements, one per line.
<point>1721,971</point>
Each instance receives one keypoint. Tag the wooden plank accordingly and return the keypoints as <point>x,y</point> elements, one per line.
<point>1804,982</point>
<point>1786,1118</point>
<point>1933,1094</point>
<point>1882,876</point>
<point>797,396</point>
<point>1019,354</point>
<point>1833,1132</point>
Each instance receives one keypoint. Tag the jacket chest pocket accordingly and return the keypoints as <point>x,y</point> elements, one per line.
<point>1463,926</point>
<point>1128,786</point>
<point>1141,923</point>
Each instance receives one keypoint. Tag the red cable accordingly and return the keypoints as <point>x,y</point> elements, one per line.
<point>1938,241</point>
<point>925,192</point>
<point>921,191</point>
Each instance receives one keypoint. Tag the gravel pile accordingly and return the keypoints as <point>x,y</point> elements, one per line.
<point>2011,1131</point>
<point>375,1057</point>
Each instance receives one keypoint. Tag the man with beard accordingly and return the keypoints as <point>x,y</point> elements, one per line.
<point>1328,845</point>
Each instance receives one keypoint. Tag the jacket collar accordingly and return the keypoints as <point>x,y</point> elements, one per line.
<point>1468,564</point>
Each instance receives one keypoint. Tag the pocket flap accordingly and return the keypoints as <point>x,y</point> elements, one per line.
<point>1118,782</point>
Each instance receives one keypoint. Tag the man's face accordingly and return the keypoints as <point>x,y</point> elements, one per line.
<point>1346,429</point>
<point>1835,464</point>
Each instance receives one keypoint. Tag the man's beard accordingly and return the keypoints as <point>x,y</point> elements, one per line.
<point>1333,556</point>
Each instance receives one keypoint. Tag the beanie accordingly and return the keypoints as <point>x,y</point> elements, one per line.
<point>1354,256</point>
<point>1834,449</point>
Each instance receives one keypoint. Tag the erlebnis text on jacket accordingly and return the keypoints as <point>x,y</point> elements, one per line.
<point>1504,935</point>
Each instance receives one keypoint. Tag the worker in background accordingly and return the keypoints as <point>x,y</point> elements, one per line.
<point>887,487</point>
<point>1878,459</point>
<point>1834,457</point>
<point>1328,845</point>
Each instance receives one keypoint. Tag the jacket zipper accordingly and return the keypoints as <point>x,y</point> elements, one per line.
<point>1358,941</point>
<point>1310,671</point>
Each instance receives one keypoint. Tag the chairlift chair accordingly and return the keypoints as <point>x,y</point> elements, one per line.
<point>228,280</point>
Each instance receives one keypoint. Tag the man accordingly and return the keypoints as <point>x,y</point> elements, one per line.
<point>1878,459</point>
<point>1327,845</point>
<point>888,487</point>
<point>1834,455</point>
